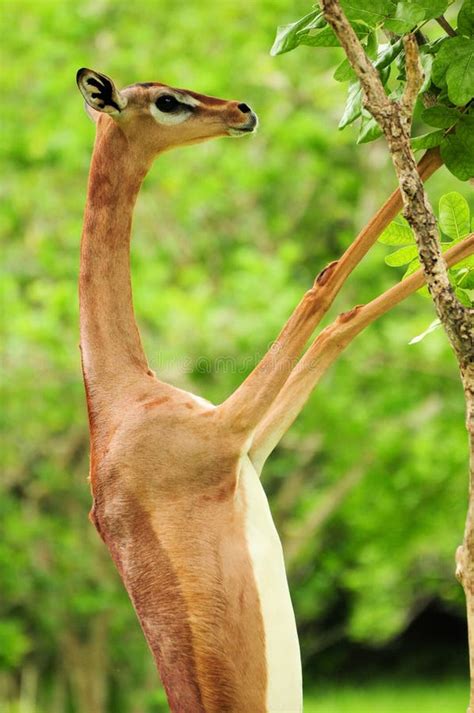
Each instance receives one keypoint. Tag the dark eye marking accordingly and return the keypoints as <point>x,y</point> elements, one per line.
<point>167,103</point>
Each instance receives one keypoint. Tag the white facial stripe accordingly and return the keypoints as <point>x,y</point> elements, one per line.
<point>186,99</point>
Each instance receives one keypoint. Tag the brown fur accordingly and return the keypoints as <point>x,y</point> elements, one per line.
<point>171,512</point>
<point>164,468</point>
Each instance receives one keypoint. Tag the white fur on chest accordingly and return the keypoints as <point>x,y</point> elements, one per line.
<point>284,692</point>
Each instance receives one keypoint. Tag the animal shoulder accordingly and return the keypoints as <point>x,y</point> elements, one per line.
<point>170,442</point>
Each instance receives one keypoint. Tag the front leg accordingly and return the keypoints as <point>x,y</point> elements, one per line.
<point>248,405</point>
<point>325,350</point>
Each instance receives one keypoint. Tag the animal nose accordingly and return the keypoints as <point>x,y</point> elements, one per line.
<point>244,108</point>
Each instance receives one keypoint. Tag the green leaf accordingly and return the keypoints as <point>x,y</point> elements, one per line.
<point>427,141</point>
<point>465,127</point>
<point>412,267</point>
<point>372,44</point>
<point>321,38</point>
<point>431,8</point>
<point>384,75</point>
<point>465,279</point>
<point>326,38</point>
<point>402,256</point>
<point>448,51</point>
<point>441,116</point>
<point>460,78</point>
<point>287,35</point>
<point>344,72</point>
<point>426,60</point>
<point>373,14</point>
<point>454,67</point>
<point>285,40</point>
<point>369,130</point>
<point>397,233</point>
<point>457,152</point>
<point>353,106</point>
<point>434,325</point>
<point>466,19</point>
<point>454,215</point>
<point>387,53</point>
<point>462,296</point>
<point>407,16</point>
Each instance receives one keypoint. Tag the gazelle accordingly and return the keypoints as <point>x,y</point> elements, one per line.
<point>175,479</point>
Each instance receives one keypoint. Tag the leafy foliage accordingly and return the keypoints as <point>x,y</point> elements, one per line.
<point>454,216</point>
<point>454,222</point>
<point>457,149</point>
<point>448,65</point>
<point>453,69</point>
<point>466,19</point>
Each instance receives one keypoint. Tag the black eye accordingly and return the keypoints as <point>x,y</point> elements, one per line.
<point>167,103</point>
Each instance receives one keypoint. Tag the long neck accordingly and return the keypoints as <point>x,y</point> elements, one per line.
<point>110,342</point>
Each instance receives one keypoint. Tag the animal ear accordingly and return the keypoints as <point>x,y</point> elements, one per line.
<point>100,92</point>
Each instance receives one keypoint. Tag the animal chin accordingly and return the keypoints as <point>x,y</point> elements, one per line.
<point>234,131</point>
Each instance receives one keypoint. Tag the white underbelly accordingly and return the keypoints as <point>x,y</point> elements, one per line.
<point>284,692</point>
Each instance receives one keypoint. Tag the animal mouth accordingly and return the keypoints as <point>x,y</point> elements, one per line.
<point>247,128</point>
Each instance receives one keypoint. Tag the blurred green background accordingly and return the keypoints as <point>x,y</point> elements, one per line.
<point>368,489</point>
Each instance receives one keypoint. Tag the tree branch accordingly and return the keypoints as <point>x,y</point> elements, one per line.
<point>414,75</point>
<point>441,20</point>
<point>372,87</point>
<point>457,320</point>
<point>395,123</point>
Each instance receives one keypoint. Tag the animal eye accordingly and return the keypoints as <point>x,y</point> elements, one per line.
<point>167,103</point>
